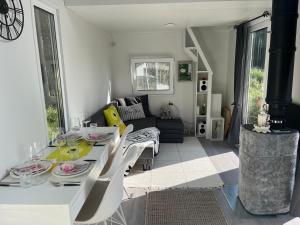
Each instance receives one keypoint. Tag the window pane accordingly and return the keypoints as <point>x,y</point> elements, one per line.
<point>47,43</point>
<point>256,74</point>
<point>152,76</point>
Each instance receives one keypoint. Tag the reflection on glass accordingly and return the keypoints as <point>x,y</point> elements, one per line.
<point>257,73</point>
<point>47,44</point>
<point>152,76</point>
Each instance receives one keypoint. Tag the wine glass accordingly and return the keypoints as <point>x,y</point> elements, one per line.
<point>58,138</point>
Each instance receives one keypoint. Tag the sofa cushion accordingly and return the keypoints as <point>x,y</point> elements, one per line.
<point>172,124</point>
<point>98,117</point>
<point>113,118</point>
<point>140,99</point>
<point>142,123</point>
<point>131,112</point>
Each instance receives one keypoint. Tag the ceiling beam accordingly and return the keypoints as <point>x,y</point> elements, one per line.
<point>136,2</point>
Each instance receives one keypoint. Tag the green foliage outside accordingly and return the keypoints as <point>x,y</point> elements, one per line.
<point>255,93</point>
<point>52,120</point>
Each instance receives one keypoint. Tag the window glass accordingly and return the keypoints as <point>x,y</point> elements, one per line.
<point>152,76</point>
<point>50,71</point>
<point>257,73</point>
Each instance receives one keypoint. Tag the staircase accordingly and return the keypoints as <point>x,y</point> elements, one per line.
<point>203,75</point>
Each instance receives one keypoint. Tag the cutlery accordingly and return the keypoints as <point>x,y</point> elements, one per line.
<point>10,184</point>
<point>69,183</point>
<point>98,144</point>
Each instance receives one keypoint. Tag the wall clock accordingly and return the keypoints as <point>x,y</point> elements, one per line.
<point>11,19</point>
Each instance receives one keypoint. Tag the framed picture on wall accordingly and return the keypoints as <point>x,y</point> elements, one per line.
<point>185,70</point>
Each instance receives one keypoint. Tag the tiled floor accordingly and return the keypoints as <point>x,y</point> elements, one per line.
<point>178,166</point>
<point>225,160</point>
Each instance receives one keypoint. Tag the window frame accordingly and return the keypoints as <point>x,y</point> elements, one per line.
<point>133,61</point>
<point>52,9</point>
<point>253,26</point>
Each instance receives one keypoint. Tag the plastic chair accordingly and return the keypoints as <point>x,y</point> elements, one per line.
<point>104,201</point>
<point>117,157</point>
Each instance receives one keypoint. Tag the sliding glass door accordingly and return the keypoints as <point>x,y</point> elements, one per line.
<point>257,70</point>
<point>50,70</point>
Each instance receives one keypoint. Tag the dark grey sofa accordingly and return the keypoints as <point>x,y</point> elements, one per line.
<point>171,131</point>
<point>98,117</point>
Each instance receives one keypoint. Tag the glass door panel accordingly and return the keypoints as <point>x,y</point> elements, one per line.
<point>257,74</point>
<point>50,71</point>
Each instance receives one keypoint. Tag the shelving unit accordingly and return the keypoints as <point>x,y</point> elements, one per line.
<point>202,98</point>
<point>203,74</point>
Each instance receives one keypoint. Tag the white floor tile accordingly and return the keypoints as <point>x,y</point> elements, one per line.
<point>169,147</point>
<point>175,179</point>
<point>295,221</point>
<point>179,166</point>
<point>141,179</point>
<point>167,166</point>
<point>202,164</point>
<point>194,181</point>
<point>168,156</point>
<point>186,156</point>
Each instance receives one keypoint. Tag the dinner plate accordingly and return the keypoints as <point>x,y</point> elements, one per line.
<point>98,137</point>
<point>79,168</point>
<point>36,168</point>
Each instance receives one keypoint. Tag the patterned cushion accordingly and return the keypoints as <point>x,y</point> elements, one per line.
<point>113,118</point>
<point>132,112</point>
<point>140,99</point>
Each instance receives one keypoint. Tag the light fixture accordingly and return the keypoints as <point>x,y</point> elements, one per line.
<point>170,25</point>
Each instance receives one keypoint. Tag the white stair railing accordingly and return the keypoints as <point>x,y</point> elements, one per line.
<point>194,51</point>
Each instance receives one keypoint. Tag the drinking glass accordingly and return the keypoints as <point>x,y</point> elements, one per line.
<point>93,126</point>
<point>86,119</point>
<point>58,139</point>
<point>35,151</point>
<point>75,124</point>
<point>25,179</point>
<point>73,148</point>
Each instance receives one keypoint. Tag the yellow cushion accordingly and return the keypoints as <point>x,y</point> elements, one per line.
<point>113,118</point>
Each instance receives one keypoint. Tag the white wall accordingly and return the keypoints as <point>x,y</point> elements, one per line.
<point>87,58</point>
<point>87,73</point>
<point>296,81</point>
<point>157,43</point>
<point>219,47</point>
<point>218,44</point>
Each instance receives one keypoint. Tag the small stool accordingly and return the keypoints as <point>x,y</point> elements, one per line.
<point>171,130</point>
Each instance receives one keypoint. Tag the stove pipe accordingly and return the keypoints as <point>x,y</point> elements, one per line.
<point>281,62</point>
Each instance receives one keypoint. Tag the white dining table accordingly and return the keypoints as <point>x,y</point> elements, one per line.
<point>49,205</point>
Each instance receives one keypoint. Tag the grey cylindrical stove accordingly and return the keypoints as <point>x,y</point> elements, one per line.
<point>267,170</point>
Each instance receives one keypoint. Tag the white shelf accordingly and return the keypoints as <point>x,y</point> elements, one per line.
<point>202,71</point>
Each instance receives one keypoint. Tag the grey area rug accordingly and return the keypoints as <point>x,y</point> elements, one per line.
<point>183,207</point>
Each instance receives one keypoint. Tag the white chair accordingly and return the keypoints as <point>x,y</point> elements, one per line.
<point>104,201</point>
<point>117,156</point>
